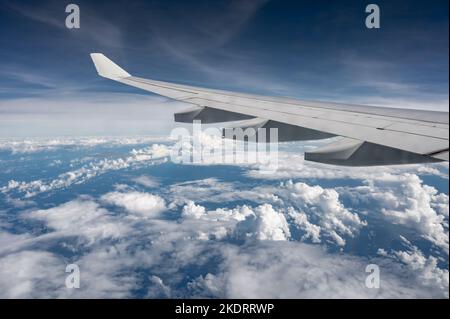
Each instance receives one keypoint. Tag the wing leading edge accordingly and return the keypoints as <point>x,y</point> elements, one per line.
<point>368,135</point>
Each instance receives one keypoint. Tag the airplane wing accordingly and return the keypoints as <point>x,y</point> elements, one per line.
<point>368,135</point>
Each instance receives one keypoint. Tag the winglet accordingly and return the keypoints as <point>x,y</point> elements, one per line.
<point>107,68</point>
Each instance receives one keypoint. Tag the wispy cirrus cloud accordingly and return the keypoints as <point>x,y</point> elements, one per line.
<point>97,30</point>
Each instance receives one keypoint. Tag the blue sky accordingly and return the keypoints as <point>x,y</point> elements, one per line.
<point>319,50</point>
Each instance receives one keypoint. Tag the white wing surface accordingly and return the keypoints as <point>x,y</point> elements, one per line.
<point>369,135</point>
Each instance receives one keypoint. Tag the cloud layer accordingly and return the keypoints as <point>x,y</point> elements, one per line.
<point>309,234</point>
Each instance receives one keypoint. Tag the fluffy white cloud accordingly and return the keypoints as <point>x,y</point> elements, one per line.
<point>147,156</point>
<point>31,274</point>
<point>406,201</point>
<point>192,249</point>
<point>301,220</point>
<point>105,273</point>
<point>192,210</point>
<point>157,288</point>
<point>41,274</point>
<point>238,213</point>
<point>216,191</point>
<point>137,203</point>
<point>81,217</point>
<point>146,181</point>
<point>430,274</point>
<point>199,190</point>
<point>26,146</point>
<point>426,268</point>
<point>295,270</point>
<point>206,286</point>
<point>169,250</point>
<point>264,223</point>
<point>324,207</point>
<point>291,164</point>
<point>314,210</point>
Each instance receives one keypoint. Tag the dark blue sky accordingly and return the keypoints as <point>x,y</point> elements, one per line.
<point>304,49</point>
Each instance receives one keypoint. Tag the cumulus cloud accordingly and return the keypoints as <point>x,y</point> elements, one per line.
<point>241,239</point>
<point>426,268</point>
<point>417,212</point>
<point>430,274</point>
<point>206,286</point>
<point>105,273</point>
<point>301,220</point>
<point>223,219</point>
<point>318,211</point>
<point>325,208</point>
<point>192,210</point>
<point>198,190</point>
<point>41,274</point>
<point>31,274</point>
<point>287,161</point>
<point>35,145</point>
<point>291,164</point>
<point>315,211</point>
<point>406,201</point>
<point>81,217</point>
<point>264,223</point>
<point>157,288</point>
<point>137,203</point>
<point>170,251</point>
<point>146,181</point>
<point>148,156</point>
<point>293,270</point>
